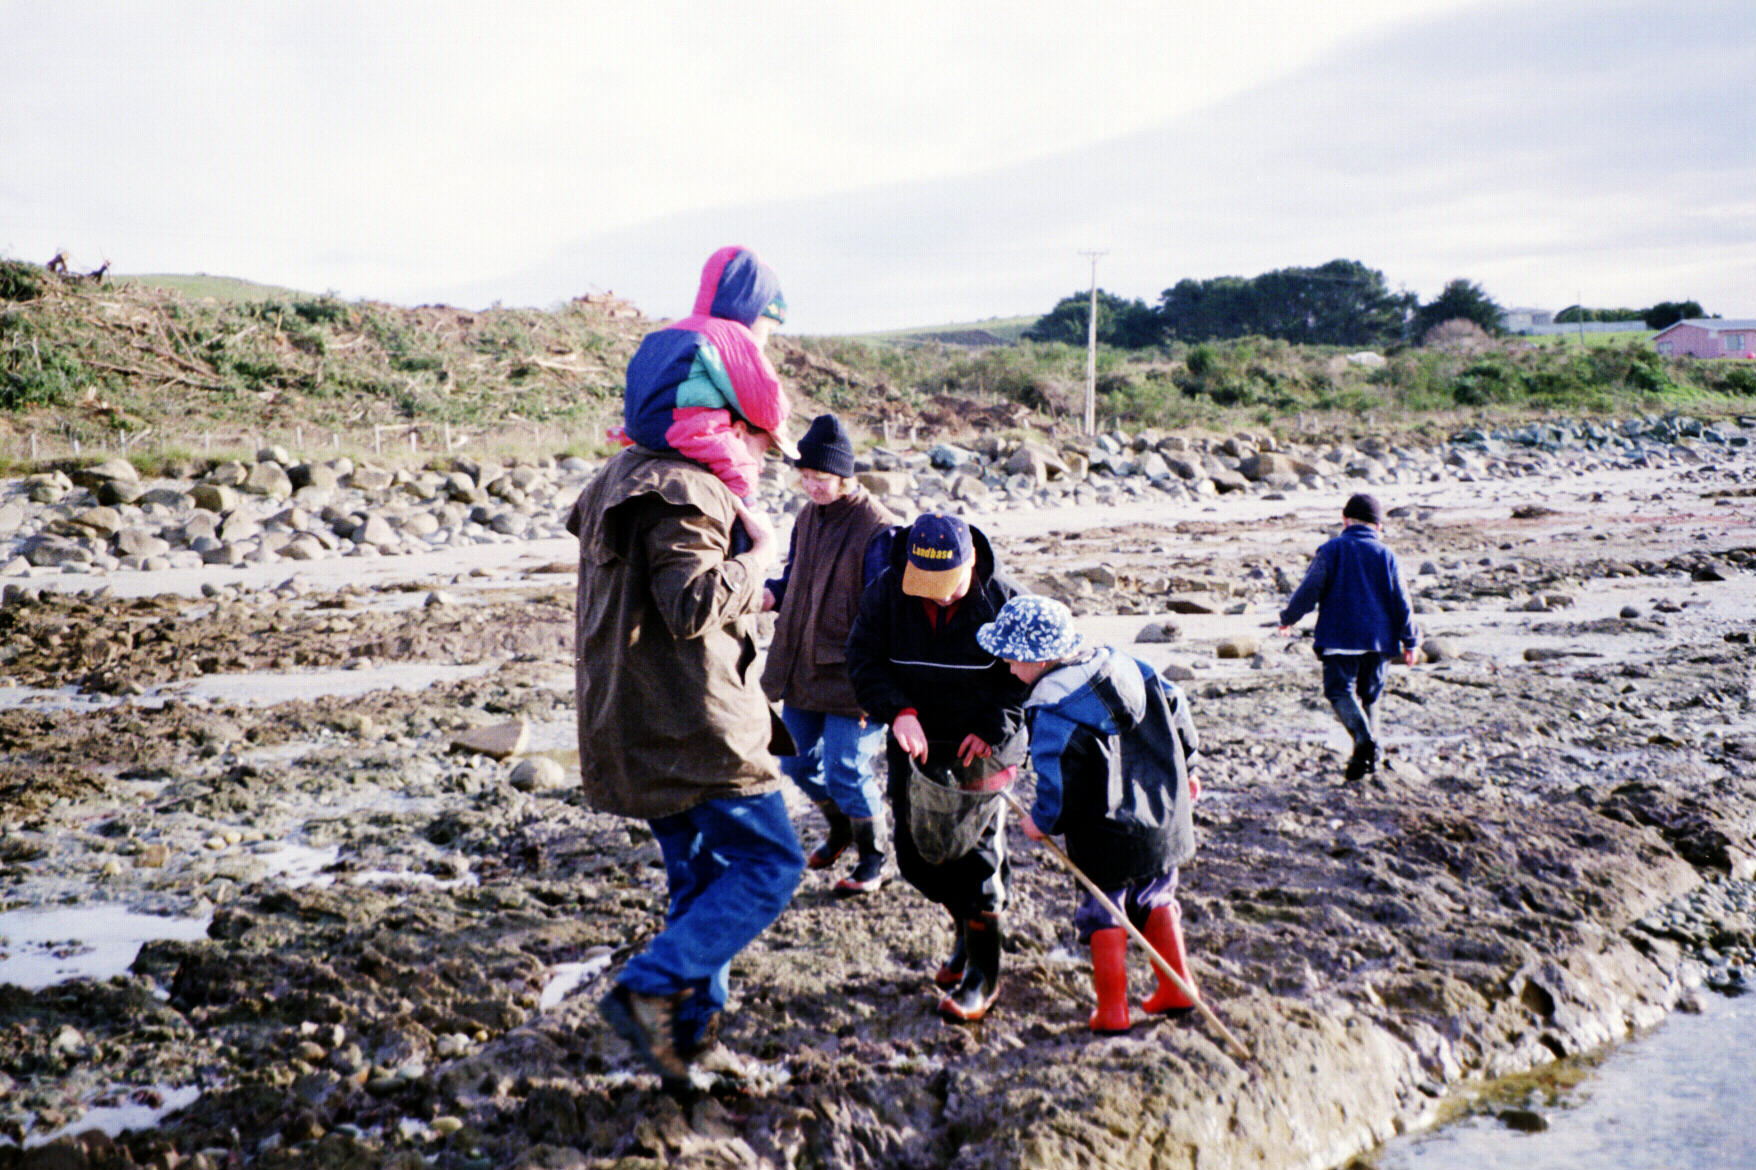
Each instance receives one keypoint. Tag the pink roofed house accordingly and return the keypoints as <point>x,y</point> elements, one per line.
<point>1707,337</point>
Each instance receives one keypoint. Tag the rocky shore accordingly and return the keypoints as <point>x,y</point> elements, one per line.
<point>320,710</point>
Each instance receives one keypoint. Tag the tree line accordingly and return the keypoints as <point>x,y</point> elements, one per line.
<point>1339,303</point>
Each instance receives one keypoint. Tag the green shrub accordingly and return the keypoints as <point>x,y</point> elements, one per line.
<point>1487,381</point>
<point>33,370</point>
<point>325,310</point>
<point>20,281</point>
<point>1740,378</point>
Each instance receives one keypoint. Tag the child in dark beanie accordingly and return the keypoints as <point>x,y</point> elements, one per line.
<point>835,553</point>
<point>1363,617</point>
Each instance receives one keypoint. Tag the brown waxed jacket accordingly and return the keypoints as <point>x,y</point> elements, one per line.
<point>670,710</point>
<point>807,661</point>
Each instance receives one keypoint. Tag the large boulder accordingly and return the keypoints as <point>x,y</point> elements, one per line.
<point>885,483</point>
<point>214,497</point>
<point>314,475</point>
<point>116,470</point>
<point>1038,462</point>
<point>367,478</point>
<point>1266,463</point>
<point>269,479</point>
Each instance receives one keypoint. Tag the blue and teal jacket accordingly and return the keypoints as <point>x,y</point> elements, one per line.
<point>709,360</point>
<point>1111,743</point>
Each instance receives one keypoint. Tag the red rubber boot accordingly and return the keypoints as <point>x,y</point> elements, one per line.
<point>1164,930</point>
<point>1109,978</point>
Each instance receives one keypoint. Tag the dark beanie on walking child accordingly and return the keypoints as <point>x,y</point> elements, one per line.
<point>1362,507</point>
<point>826,447</point>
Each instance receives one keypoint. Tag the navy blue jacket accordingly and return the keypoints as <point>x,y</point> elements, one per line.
<point>898,659</point>
<point>1362,606</point>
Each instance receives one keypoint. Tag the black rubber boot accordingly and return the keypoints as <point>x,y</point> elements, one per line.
<point>841,835</point>
<point>868,875</point>
<point>1364,761</point>
<point>975,994</point>
<point>950,972</point>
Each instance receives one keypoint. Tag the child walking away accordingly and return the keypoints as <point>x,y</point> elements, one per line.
<point>836,552</point>
<point>1363,617</point>
<point>1111,743</point>
<point>696,386</point>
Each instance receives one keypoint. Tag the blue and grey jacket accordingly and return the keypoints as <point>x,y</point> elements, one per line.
<point>1111,743</point>
<point>1362,605</point>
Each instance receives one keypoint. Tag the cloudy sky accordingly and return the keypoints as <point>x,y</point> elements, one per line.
<point>899,164</point>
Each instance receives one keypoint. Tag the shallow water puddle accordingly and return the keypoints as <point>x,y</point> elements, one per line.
<point>259,688</point>
<point>406,877</point>
<point>265,687</point>
<point>299,866</point>
<point>53,699</point>
<point>566,978</point>
<point>142,1110</point>
<point>42,947</point>
<point>1678,1098</point>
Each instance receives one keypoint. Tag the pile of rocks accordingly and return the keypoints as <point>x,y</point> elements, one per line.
<point>1712,925</point>
<point>1633,438</point>
<point>104,518</point>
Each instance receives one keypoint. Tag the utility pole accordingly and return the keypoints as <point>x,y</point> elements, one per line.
<point>1091,350</point>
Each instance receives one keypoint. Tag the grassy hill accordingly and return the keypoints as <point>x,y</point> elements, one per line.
<point>1007,329</point>
<point>200,286</point>
<point>173,368</point>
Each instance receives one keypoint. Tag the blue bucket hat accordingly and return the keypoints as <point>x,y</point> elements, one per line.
<point>1029,628</point>
<point>941,557</point>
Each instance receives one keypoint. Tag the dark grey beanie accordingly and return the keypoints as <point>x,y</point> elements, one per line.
<point>826,447</point>
<point>1364,508</point>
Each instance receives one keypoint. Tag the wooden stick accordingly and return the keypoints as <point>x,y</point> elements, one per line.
<point>157,375</point>
<point>1158,960</point>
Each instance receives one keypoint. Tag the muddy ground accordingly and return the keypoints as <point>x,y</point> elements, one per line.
<point>388,910</point>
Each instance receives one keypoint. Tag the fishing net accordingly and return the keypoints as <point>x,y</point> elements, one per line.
<point>951,807</point>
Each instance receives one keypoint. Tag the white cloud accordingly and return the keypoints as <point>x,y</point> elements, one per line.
<point>385,147</point>
<point>898,163</point>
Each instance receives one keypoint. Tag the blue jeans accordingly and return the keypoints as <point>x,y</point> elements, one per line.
<point>731,866</point>
<point>1352,684</point>
<point>835,759</point>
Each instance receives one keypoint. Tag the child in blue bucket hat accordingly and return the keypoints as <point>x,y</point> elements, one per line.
<point>1095,712</point>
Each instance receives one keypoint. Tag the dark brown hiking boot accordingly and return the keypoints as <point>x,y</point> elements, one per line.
<point>691,1047</point>
<point>648,1024</point>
